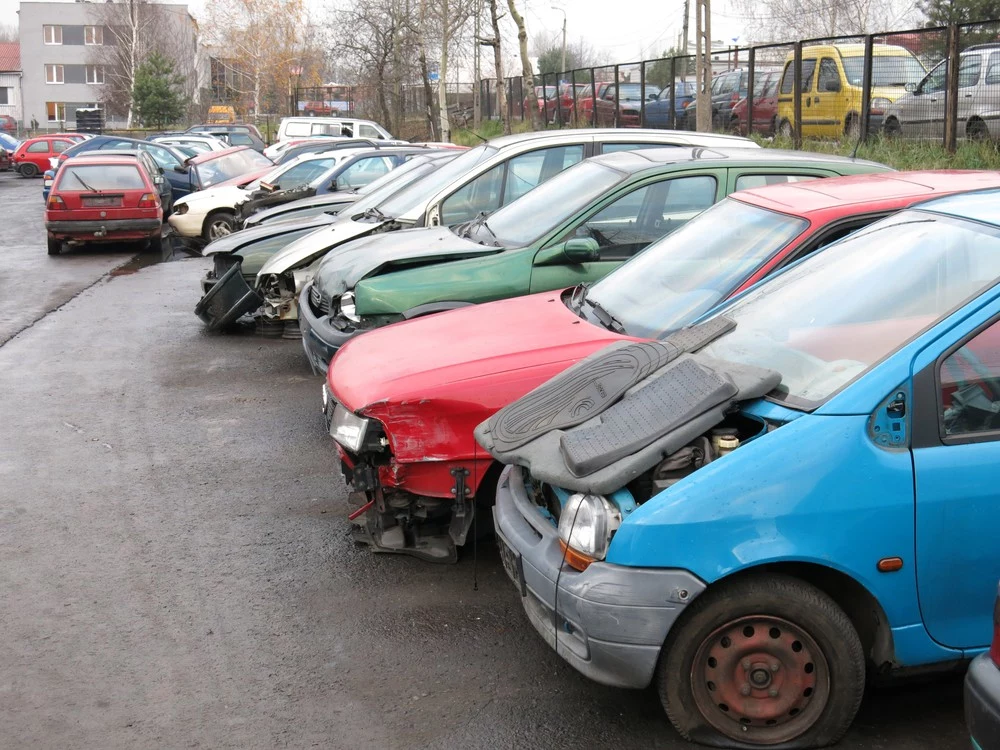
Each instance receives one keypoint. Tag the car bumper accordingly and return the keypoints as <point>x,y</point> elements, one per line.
<point>187,224</point>
<point>227,300</point>
<point>611,621</point>
<point>116,227</point>
<point>982,702</point>
<point>319,338</point>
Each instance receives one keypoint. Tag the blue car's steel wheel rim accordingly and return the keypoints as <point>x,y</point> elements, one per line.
<point>760,679</point>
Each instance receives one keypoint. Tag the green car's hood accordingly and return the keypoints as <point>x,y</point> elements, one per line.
<point>345,266</point>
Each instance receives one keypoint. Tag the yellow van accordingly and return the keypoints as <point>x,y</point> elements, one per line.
<point>221,115</point>
<point>832,77</point>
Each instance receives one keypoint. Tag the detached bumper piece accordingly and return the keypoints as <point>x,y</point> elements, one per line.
<point>982,703</point>
<point>229,299</point>
<point>609,622</point>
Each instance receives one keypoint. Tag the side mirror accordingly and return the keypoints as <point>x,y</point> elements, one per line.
<point>831,86</point>
<point>334,185</point>
<point>181,169</point>
<point>573,251</point>
<point>653,97</point>
<point>268,187</point>
<point>911,88</point>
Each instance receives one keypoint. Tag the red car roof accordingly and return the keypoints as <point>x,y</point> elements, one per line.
<point>879,191</point>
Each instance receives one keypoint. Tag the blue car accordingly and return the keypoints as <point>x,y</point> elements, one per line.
<point>658,111</point>
<point>759,510</point>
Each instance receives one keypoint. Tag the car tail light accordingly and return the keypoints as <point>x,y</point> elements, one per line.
<point>995,647</point>
<point>56,203</point>
<point>149,200</point>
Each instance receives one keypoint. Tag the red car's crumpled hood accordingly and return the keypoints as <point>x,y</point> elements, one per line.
<point>460,366</point>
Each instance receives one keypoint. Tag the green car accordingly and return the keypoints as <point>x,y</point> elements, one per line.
<point>574,228</point>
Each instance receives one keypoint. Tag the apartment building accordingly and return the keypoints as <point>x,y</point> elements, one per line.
<point>10,80</point>
<point>65,61</point>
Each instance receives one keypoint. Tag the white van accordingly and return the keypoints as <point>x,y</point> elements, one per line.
<point>304,127</point>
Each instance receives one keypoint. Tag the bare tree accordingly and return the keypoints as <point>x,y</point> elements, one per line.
<point>798,19</point>
<point>447,18</point>
<point>495,42</point>
<point>526,71</point>
<point>8,33</point>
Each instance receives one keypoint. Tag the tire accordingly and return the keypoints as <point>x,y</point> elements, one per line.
<point>28,170</point>
<point>892,128</point>
<point>807,668</point>
<point>852,127</point>
<point>734,126</point>
<point>55,246</point>
<point>218,224</point>
<point>976,130</point>
<point>785,129</point>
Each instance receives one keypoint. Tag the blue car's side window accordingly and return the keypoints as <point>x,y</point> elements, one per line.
<point>969,386</point>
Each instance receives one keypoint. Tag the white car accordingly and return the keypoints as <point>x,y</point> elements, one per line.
<point>210,214</point>
<point>274,151</point>
<point>200,143</point>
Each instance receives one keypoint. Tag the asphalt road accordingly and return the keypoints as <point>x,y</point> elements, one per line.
<point>176,569</point>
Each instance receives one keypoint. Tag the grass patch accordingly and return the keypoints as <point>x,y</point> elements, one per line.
<point>489,129</point>
<point>901,154</point>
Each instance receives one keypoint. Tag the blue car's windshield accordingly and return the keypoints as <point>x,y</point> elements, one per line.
<point>829,319</point>
<point>688,272</point>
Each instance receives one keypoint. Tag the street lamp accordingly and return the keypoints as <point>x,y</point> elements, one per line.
<point>564,37</point>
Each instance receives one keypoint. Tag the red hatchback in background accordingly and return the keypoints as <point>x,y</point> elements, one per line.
<point>402,401</point>
<point>32,156</point>
<point>765,106</point>
<point>109,199</point>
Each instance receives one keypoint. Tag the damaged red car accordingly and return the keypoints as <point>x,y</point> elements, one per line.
<point>401,402</point>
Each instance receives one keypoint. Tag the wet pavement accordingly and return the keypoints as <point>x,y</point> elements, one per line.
<point>176,568</point>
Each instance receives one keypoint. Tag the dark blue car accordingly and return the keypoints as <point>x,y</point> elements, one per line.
<point>658,111</point>
<point>170,160</point>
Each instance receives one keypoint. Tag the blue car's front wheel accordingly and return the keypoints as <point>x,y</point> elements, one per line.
<point>762,661</point>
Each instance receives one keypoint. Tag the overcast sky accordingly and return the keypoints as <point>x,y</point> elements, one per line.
<point>624,30</point>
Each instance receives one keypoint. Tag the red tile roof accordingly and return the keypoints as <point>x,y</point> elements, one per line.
<point>10,56</point>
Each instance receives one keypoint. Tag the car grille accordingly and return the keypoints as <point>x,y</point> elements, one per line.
<point>320,302</point>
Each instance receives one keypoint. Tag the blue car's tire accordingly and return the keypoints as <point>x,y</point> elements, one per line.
<point>761,661</point>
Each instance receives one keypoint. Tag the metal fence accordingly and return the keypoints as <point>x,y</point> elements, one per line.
<point>938,84</point>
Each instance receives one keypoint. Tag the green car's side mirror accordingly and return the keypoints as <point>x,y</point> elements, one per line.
<point>910,88</point>
<point>573,251</point>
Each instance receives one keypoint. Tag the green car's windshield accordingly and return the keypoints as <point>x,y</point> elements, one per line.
<point>402,177</point>
<point>420,191</point>
<point>887,70</point>
<point>520,223</point>
<point>687,273</point>
<point>829,319</point>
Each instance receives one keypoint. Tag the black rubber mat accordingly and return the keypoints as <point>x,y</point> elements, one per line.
<point>681,392</point>
<point>593,384</point>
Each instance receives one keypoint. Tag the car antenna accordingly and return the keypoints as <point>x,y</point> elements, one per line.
<point>857,143</point>
<point>473,132</point>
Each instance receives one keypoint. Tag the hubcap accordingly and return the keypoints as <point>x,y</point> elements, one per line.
<point>760,679</point>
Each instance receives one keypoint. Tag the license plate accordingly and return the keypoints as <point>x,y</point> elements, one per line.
<point>511,560</point>
<point>102,201</point>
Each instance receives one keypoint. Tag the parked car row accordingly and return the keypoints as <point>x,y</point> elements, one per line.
<point>730,412</point>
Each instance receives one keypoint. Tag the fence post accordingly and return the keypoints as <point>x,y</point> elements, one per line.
<point>951,92</point>
<point>618,100</point>
<point>751,65</point>
<point>510,101</point>
<point>642,94</point>
<point>572,89</point>
<point>866,88</point>
<point>593,100</point>
<point>559,108</point>
<point>672,114</point>
<point>489,101</point>
<point>797,95</point>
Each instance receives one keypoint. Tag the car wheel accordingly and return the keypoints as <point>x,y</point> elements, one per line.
<point>785,129</point>
<point>55,246</point>
<point>762,661</point>
<point>734,126</point>
<point>892,128</point>
<point>852,127</point>
<point>976,130</point>
<point>28,170</point>
<point>219,224</point>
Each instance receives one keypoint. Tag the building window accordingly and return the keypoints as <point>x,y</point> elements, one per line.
<point>56,111</point>
<point>6,95</point>
<point>95,74</point>
<point>93,35</point>
<point>54,74</point>
<point>52,34</point>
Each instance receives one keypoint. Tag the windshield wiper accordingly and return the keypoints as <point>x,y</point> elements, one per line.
<point>607,320</point>
<point>375,213</point>
<point>85,185</point>
<point>480,221</point>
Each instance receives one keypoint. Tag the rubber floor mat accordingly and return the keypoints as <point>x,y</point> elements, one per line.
<point>593,384</point>
<point>681,392</point>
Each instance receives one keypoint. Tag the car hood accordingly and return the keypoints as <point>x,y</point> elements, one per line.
<point>347,265</point>
<point>306,249</point>
<point>495,353</point>
<point>236,240</point>
<point>223,196</point>
<point>330,202</point>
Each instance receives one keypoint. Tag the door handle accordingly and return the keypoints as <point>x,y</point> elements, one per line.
<point>968,96</point>
<point>933,99</point>
<point>816,100</point>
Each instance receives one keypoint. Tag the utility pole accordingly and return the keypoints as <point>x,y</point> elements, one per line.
<point>684,33</point>
<point>477,104</point>
<point>703,63</point>
<point>563,68</point>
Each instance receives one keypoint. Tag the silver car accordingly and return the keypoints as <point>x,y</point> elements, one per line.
<point>920,113</point>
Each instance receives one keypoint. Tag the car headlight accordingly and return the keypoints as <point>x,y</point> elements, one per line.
<point>879,105</point>
<point>180,208</point>
<point>347,307</point>
<point>348,429</point>
<point>586,524</point>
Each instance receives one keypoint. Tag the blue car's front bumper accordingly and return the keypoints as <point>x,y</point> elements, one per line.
<point>982,703</point>
<point>319,338</point>
<point>611,621</point>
